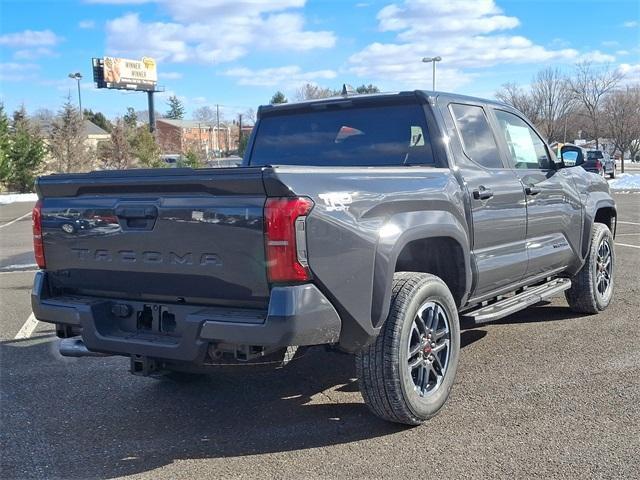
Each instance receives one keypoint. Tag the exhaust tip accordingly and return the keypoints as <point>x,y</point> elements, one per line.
<point>75,347</point>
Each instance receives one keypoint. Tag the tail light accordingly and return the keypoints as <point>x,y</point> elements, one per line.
<point>285,237</point>
<point>38,246</point>
<point>598,165</point>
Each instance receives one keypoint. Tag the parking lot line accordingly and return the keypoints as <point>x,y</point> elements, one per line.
<point>627,245</point>
<point>628,223</point>
<point>15,220</point>
<point>28,328</point>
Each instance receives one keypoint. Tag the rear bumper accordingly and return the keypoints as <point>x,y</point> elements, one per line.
<point>296,315</point>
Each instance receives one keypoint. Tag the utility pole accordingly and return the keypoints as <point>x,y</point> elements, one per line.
<point>218,127</point>
<point>239,130</point>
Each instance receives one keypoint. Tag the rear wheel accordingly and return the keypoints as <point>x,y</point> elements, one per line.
<point>407,373</point>
<point>592,287</point>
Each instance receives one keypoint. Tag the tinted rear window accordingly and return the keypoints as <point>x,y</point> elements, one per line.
<point>355,135</point>
<point>595,155</point>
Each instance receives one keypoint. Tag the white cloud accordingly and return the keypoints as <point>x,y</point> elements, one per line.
<point>170,75</point>
<point>290,76</point>
<point>34,53</point>
<point>597,57</point>
<point>16,72</point>
<point>610,43</point>
<point>86,24</point>
<point>30,38</point>
<point>630,70</point>
<point>630,24</point>
<point>215,31</point>
<point>469,36</point>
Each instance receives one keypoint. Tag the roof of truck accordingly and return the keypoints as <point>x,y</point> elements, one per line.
<point>373,96</point>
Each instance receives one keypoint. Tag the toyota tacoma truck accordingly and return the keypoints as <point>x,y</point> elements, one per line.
<point>372,224</point>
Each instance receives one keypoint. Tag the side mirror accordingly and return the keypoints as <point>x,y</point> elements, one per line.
<point>571,156</point>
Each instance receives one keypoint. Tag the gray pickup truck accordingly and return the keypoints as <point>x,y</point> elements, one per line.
<point>369,223</point>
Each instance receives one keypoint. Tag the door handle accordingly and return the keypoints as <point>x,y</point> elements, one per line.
<point>531,190</point>
<point>137,212</point>
<point>482,193</point>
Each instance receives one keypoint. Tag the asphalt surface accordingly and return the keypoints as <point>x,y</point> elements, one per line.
<point>543,393</point>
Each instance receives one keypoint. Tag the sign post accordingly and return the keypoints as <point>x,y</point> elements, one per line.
<point>126,74</point>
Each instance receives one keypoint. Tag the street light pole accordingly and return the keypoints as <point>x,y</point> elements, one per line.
<point>77,77</point>
<point>433,61</point>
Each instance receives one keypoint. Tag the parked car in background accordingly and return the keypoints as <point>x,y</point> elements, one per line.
<point>599,162</point>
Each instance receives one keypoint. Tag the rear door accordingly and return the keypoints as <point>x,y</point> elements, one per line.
<point>554,212</point>
<point>166,235</point>
<point>497,200</point>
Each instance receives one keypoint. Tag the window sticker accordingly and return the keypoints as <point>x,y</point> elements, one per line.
<point>417,137</point>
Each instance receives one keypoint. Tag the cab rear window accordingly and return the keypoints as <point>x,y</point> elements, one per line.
<point>352,136</point>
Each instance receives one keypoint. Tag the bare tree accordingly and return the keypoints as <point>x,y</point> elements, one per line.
<point>310,91</point>
<point>589,86</point>
<point>67,142</point>
<point>514,95</point>
<point>622,116</point>
<point>116,152</point>
<point>551,94</point>
<point>204,114</point>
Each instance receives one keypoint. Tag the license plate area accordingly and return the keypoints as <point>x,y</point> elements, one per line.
<point>154,318</point>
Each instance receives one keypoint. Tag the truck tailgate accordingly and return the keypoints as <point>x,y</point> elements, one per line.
<point>183,235</point>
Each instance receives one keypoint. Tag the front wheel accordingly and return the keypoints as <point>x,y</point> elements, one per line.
<point>407,373</point>
<point>592,287</point>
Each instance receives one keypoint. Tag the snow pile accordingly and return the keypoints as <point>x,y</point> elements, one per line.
<point>625,181</point>
<point>8,198</point>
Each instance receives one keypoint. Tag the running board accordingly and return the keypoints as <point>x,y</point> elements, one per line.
<point>520,301</point>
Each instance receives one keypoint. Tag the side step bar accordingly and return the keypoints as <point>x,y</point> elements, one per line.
<point>520,301</point>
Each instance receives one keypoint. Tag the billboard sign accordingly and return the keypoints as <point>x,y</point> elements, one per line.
<point>125,74</point>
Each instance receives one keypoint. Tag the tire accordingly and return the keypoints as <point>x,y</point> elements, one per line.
<point>587,294</point>
<point>613,174</point>
<point>391,388</point>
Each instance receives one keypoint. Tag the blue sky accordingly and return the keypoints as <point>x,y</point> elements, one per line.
<point>238,52</point>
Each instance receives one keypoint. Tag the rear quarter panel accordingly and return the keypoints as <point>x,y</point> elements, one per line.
<point>361,220</point>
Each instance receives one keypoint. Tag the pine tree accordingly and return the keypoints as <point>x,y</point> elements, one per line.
<point>99,119</point>
<point>278,97</point>
<point>146,149</point>
<point>4,143</point>
<point>131,118</point>
<point>176,108</point>
<point>24,155</point>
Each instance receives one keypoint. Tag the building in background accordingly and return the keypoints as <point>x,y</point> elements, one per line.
<point>181,136</point>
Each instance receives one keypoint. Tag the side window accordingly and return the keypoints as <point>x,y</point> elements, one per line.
<point>476,136</point>
<point>526,149</point>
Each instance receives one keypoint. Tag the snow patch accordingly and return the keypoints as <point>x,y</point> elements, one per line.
<point>6,199</point>
<point>625,181</point>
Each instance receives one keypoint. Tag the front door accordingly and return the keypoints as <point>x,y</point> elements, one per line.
<point>496,202</point>
<point>554,214</point>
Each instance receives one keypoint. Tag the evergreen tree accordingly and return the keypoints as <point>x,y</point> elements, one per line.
<point>146,149</point>
<point>24,155</point>
<point>5,143</point>
<point>278,97</point>
<point>190,160</point>
<point>99,119</point>
<point>176,108</point>
<point>131,118</point>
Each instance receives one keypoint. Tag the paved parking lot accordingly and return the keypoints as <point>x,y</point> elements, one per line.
<point>544,393</point>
